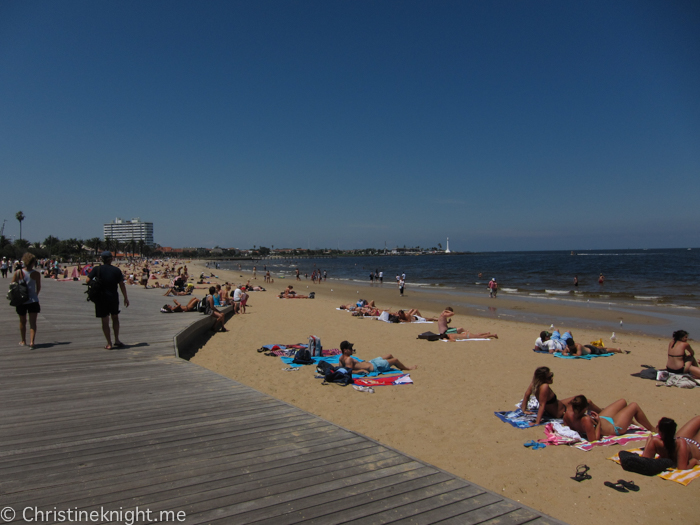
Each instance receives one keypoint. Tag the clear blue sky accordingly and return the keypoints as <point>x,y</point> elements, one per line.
<point>504,125</point>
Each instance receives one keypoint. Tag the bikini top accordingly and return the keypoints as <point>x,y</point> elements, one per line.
<point>671,355</point>
<point>688,440</point>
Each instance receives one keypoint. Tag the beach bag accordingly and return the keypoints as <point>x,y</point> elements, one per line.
<point>18,293</point>
<point>95,288</point>
<point>338,376</point>
<point>430,336</point>
<point>303,357</point>
<point>315,349</point>
<point>631,462</point>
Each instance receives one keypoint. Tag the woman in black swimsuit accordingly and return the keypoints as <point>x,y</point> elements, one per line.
<point>546,397</point>
<point>682,446</point>
<point>681,357</point>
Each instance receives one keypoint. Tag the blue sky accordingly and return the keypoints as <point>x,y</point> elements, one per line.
<point>503,125</point>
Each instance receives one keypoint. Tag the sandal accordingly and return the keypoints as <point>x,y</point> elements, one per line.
<point>582,473</point>
<point>530,443</point>
<point>629,485</point>
<point>615,486</point>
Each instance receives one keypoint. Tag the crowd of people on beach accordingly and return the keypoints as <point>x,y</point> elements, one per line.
<point>578,412</point>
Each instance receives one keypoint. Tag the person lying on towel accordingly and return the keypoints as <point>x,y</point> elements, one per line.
<point>378,364</point>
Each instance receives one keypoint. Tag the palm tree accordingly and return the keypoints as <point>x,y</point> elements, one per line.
<point>141,245</point>
<point>20,217</point>
<point>108,243</point>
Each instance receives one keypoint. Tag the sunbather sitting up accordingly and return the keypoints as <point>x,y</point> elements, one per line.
<point>289,293</point>
<point>378,364</point>
<point>460,333</point>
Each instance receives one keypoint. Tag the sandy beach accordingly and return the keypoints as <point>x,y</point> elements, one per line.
<point>447,416</point>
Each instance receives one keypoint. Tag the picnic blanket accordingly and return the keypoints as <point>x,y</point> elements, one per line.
<point>335,360</point>
<point>589,356</point>
<point>519,419</point>
<point>684,477</point>
<point>557,434</point>
<point>404,379</point>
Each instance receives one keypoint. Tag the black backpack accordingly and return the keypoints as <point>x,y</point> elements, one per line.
<point>18,293</point>
<point>324,367</point>
<point>303,357</point>
<point>95,288</point>
<point>338,376</point>
<point>203,305</point>
<point>430,336</point>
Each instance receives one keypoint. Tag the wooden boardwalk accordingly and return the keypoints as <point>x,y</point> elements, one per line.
<point>84,428</point>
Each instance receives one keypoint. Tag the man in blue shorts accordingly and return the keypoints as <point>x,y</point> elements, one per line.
<point>378,364</point>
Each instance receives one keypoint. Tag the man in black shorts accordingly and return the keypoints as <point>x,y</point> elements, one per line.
<point>108,305</point>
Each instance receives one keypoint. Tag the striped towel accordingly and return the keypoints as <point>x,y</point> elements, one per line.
<point>684,477</point>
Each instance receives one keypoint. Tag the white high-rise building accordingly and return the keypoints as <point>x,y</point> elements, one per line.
<point>127,231</point>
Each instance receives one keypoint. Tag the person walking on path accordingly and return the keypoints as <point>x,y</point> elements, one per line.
<point>32,279</point>
<point>402,283</point>
<point>4,267</point>
<point>493,288</point>
<point>108,304</point>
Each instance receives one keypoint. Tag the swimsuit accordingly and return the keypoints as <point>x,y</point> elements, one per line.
<point>675,370</point>
<point>552,401</point>
<point>688,440</point>
<point>610,420</point>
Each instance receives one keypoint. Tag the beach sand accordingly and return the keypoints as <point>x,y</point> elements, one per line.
<point>446,418</point>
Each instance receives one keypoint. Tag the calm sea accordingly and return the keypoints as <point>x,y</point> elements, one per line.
<point>666,278</point>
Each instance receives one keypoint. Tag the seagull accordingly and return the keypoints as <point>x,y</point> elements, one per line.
<point>613,338</point>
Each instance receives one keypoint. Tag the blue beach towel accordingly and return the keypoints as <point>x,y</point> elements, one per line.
<point>335,360</point>
<point>518,419</point>
<point>589,356</point>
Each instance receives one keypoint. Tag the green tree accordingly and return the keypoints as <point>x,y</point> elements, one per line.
<point>20,217</point>
<point>142,243</point>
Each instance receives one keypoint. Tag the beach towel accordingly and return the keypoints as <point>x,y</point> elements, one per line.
<point>404,379</point>
<point>563,435</point>
<point>684,477</point>
<point>519,419</point>
<point>335,360</point>
<point>460,340</point>
<point>589,356</point>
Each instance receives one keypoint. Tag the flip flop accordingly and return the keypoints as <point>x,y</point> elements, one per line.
<point>118,345</point>
<point>582,473</point>
<point>530,443</point>
<point>615,486</point>
<point>629,485</point>
<point>538,446</point>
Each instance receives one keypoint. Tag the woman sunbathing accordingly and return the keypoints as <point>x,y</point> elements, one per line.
<point>289,293</point>
<point>682,447</point>
<point>547,399</point>
<point>614,419</point>
<point>189,307</point>
<point>681,357</point>
<point>413,315</point>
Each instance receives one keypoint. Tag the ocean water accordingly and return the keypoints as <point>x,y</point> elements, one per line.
<point>668,278</point>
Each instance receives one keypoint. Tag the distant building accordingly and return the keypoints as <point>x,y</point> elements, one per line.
<point>127,231</point>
